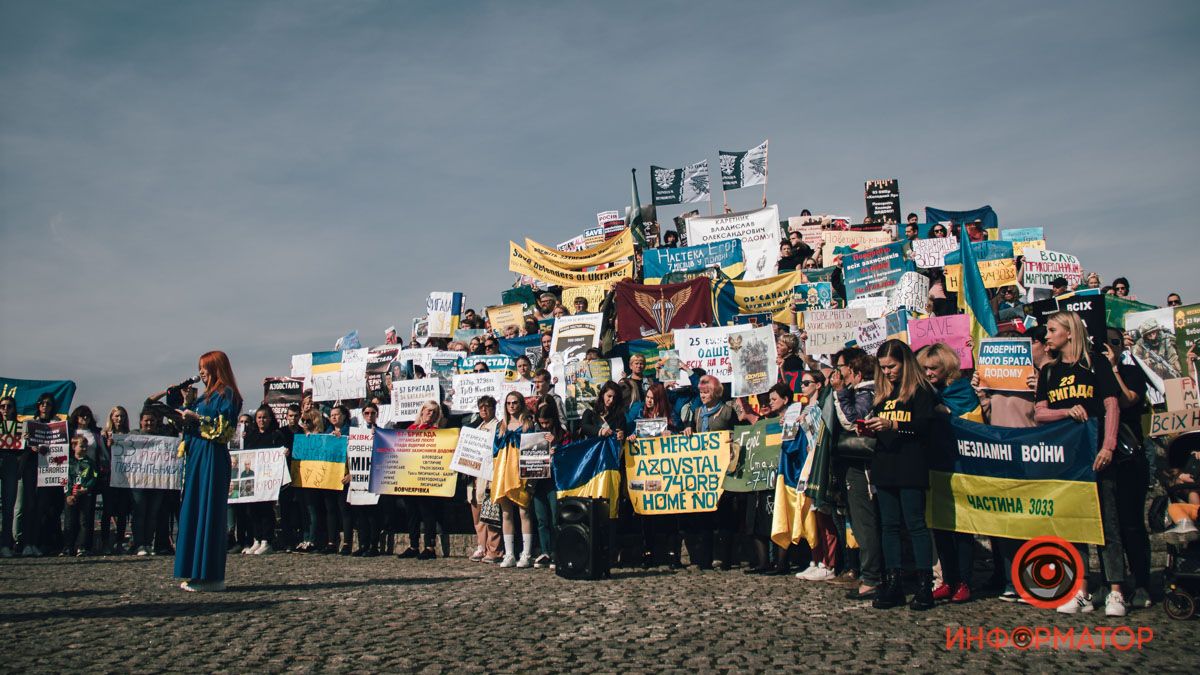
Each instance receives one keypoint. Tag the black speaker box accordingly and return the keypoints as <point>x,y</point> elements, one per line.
<point>581,548</point>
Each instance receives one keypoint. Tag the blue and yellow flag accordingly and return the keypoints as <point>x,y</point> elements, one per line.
<point>793,518</point>
<point>318,461</point>
<point>962,400</point>
<point>973,298</point>
<point>27,392</point>
<point>1018,483</point>
<point>506,470</point>
<point>589,468</point>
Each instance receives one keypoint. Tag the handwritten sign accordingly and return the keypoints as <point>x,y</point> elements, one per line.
<point>319,461</point>
<point>756,447</point>
<point>928,253</point>
<point>1042,267</point>
<point>256,475</point>
<point>706,348</point>
<point>146,462</point>
<point>473,453</point>
<point>1175,422</point>
<point>1181,394</point>
<point>360,445</point>
<point>468,389</point>
<point>829,330</point>
<point>953,331</point>
<point>676,474</point>
<point>51,441</point>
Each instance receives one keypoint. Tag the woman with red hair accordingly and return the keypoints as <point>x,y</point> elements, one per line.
<point>209,425</point>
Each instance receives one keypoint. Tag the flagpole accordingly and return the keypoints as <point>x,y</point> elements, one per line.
<point>766,170</point>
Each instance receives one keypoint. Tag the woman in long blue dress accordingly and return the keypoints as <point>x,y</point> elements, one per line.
<point>209,424</point>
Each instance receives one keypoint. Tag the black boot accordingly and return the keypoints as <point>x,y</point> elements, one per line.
<point>923,598</point>
<point>890,593</point>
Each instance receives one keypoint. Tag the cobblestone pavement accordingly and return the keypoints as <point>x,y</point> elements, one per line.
<point>292,612</point>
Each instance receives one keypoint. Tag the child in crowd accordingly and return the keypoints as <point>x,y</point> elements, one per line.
<point>81,498</point>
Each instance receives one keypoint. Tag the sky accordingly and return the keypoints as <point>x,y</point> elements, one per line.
<point>262,177</point>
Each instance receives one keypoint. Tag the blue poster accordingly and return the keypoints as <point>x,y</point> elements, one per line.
<point>875,270</point>
<point>726,255</point>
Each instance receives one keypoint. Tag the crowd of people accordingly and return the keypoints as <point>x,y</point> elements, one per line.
<point>872,534</point>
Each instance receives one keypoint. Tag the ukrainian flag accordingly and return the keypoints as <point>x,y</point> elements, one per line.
<point>326,362</point>
<point>793,519</point>
<point>589,468</point>
<point>962,401</point>
<point>506,470</point>
<point>973,298</point>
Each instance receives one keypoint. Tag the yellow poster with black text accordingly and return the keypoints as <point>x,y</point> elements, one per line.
<point>522,262</point>
<point>617,248</point>
<point>995,273</point>
<point>676,474</point>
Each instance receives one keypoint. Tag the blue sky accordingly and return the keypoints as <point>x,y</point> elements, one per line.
<point>261,177</point>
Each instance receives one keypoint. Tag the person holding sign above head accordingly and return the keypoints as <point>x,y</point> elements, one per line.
<point>902,422</point>
<point>200,545</point>
<point>1079,385</point>
<point>709,413</point>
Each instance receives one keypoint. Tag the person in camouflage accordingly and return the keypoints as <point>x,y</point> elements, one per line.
<point>1155,347</point>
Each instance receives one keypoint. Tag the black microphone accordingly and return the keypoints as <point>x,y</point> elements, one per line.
<point>188,382</point>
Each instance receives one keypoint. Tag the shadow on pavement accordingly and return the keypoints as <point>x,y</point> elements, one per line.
<point>324,585</point>
<point>52,595</point>
<point>142,610</point>
<point>634,574</point>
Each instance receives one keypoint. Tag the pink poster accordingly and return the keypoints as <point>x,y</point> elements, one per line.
<point>954,331</point>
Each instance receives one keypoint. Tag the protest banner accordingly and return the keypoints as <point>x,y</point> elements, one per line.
<point>27,392</point>
<point>755,448</point>
<point>1042,267</point>
<point>281,392</point>
<point>382,362</point>
<point>409,395</point>
<point>676,474</point>
<point>360,445</point>
<point>318,461</point>
<point>883,201</point>
<point>473,453</point>
<point>1175,422</point>
<point>255,475</point>
<point>414,462</point>
<point>337,375</point>
<point>725,256</point>
<point>534,462</point>
<point>930,253</point>
<point>146,462</point>
<point>1181,394</point>
<point>773,295</point>
<point>836,243</point>
<point>468,389</point>
<point>52,444</point>
<point>680,186</point>
<point>757,230</point>
<point>1187,334</point>
<point>912,293</point>
<point>593,298</point>
<point>10,435</point>
<point>1018,483</point>
<point>614,249</point>
<point>644,311</point>
<point>752,352</point>
<point>1005,364</point>
<point>829,330</point>
<point>954,331</point>
<point>1154,346</point>
<point>707,348</point>
<point>574,335</point>
<point>1015,234</point>
<point>814,295</point>
<point>443,309</point>
<point>522,262</point>
<point>503,316</point>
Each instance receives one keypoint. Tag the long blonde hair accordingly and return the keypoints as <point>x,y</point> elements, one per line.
<point>912,377</point>
<point>945,359</point>
<point>1077,348</point>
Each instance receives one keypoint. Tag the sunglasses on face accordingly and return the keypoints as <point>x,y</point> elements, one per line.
<point>807,382</point>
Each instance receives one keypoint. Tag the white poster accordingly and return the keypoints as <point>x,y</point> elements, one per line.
<point>752,352</point>
<point>257,475</point>
<point>758,231</point>
<point>359,446</point>
<point>468,389</point>
<point>441,310</point>
<point>874,305</point>
<point>574,335</point>
<point>707,348</point>
<point>912,292</point>
<point>473,454</point>
<point>409,395</point>
<point>829,330</point>
<point>146,462</point>
<point>49,440</point>
<point>929,253</point>
<point>1042,267</point>
<point>339,381</point>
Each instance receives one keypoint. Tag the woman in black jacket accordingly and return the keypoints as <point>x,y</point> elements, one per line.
<point>264,433</point>
<point>902,420</point>
<point>854,397</point>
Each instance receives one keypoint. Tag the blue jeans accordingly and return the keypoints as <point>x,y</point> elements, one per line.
<point>545,509</point>
<point>905,505</point>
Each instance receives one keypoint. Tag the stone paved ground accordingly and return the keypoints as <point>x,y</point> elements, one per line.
<point>292,612</point>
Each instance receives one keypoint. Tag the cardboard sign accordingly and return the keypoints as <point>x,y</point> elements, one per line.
<point>1175,422</point>
<point>1181,394</point>
<point>473,453</point>
<point>953,331</point>
<point>145,462</point>
<point>928,253</point>
<point>707,348</point>
<point>676,474</point>
<point>502,316</point>
<point>829,330</point>
<point>1042,267</point>
<point>1005,364</point>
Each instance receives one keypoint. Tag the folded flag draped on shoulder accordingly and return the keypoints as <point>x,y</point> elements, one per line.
<point>506,470</point>
<point>794,518</point>
<point>589,468</point>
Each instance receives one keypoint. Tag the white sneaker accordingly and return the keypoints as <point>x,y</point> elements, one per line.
<point>524,562</point>
<point>250,549</point>
<point>6,552</point>
<point>509,561</point>
<point>191,586</point>
<point>1082,602</point>
<point>477,555</point>
<point>1182,532</point>
<point>807,572</point>
<point>143,551</point>
<point>264,548</point>
<point>543,560</point>
<point>1114,605</point>
<point>822,573</point>
<point>1140,600</point>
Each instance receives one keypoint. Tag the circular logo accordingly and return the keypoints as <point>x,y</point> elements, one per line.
<point>1047,572</point>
